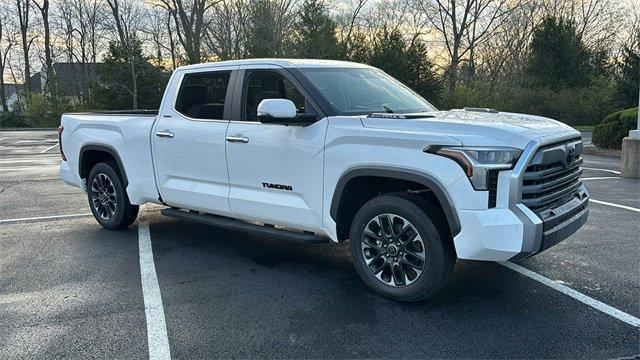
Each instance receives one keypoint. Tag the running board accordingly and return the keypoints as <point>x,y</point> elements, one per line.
<point>239,225</point>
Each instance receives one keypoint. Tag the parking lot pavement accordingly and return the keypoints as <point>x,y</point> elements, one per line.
<point>602,165</point>
<point>72,289</point>
<point>239,296</point>
<point>28,155</point>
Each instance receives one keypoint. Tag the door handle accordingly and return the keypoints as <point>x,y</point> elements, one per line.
<point>165,134</point>
<point>238,138</point>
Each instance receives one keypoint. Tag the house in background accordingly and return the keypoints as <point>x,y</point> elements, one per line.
<point>73,80</point>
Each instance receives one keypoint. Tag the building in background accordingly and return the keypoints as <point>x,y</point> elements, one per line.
<point>72,80</point>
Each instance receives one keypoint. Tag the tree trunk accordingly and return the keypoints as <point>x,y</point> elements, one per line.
<point>453,76</point>
<point>3,53</point>
<point>134,83</point>
<point>3,94</point>
<point>50,86</point>
<point>23,16</point>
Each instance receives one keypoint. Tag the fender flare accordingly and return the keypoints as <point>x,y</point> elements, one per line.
<point>107,149</point>
<point>427,180</point>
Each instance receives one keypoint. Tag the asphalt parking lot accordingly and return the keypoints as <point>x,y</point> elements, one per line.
<point>69,288</point>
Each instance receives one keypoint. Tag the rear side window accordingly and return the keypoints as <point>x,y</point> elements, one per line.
<point>202,95</point>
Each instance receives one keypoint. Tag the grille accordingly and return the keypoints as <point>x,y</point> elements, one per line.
<point>553,176</point>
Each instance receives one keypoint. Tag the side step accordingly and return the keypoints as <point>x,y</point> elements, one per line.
<point>238,225</point>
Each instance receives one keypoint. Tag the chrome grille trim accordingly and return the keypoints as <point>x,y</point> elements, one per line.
<point>517,174</point>
<point>552,177</point>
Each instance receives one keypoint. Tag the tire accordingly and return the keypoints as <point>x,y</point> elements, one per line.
<point>108,199</point>
<point>403,277</point>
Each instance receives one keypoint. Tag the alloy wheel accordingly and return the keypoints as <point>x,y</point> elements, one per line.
<point>393,250</point>
<point>103,196</point>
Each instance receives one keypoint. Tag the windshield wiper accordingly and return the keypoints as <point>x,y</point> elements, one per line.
<point>387,109</point>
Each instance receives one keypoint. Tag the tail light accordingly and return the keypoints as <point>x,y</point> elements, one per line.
<point>60,130</point>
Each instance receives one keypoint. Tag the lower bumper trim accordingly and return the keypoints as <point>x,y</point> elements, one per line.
<point>564,230</point>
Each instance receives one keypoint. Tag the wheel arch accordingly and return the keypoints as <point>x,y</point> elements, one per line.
<point>342,214</point>
<point>92,154</point>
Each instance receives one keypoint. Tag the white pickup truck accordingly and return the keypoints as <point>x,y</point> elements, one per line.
<point>319,151</point>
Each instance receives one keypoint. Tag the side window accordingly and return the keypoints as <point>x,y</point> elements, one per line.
<point>262,85</point>
<point>202,95</point>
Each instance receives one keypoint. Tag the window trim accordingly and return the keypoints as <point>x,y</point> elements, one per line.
<point>242,81</point>
<point>228,99</point>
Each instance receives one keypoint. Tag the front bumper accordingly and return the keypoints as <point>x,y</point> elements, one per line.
<point>514,233</point>
<point>511,230</point>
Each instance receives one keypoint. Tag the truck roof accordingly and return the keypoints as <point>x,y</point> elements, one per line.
<point>286,63</point>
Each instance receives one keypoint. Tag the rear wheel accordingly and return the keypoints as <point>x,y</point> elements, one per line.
<point>108,199</point>
<point>398,249</point>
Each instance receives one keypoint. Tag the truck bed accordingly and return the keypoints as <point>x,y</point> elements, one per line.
<point>125,134</point>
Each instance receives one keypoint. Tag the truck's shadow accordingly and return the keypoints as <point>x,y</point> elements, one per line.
<point>235,294</point>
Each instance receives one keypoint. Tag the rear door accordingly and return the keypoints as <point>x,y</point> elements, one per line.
<point>275,171</point>
<point>189,141</point>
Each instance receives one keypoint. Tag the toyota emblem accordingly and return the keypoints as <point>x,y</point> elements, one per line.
<point>571,155</point>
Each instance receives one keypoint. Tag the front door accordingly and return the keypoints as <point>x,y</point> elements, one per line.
<point>275,171</point>
<point>189,142</point>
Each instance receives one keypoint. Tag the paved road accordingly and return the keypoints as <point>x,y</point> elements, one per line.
<point>72,289</point>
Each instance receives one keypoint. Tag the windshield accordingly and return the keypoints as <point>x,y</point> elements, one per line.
<point>360,91</point>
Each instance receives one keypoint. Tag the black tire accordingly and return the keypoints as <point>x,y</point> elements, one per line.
<point>118,213</point>
<point>437,250</point>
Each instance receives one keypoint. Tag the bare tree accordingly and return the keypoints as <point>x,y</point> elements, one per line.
<point>502,57</point>
<point>126,15</point>
<point>463,24</point>
<point>190,24</point>
<point>172,43</point>
<point>155,28</point>
<point>44,12</point>
<point>6,43</point>
<point>24,8</point>
<point>348,21</point>
<point>597,21</point>
<point>226,34</point>
<point>92,15</point>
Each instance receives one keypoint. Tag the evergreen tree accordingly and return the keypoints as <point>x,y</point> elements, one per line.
<point>388,53</point>
<point>558,59</point>
<point>406,62</point>
<point>359,48</point>
<point>628,76</point>
<point>263,38</point>
<point>315,33</point>
<point>421,76</point>
<point>114,88</point>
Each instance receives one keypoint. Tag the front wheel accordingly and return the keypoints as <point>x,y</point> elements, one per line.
<point>397,248</point>
<point>108,199</point>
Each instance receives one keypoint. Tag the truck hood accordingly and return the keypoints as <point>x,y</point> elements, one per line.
<point>475,128</point>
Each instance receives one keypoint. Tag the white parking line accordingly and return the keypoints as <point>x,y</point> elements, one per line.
<point>615,205</point>
<point>44,218</point>
<point>49,148</point>
<point>158,340</point>
<point>600,178</point>
<point>598,305</point>
<point>599,169</point>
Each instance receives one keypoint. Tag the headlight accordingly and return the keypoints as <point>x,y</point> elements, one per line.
<point>477,161</point>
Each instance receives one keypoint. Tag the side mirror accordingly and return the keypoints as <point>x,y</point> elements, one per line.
<point>276,111</point>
